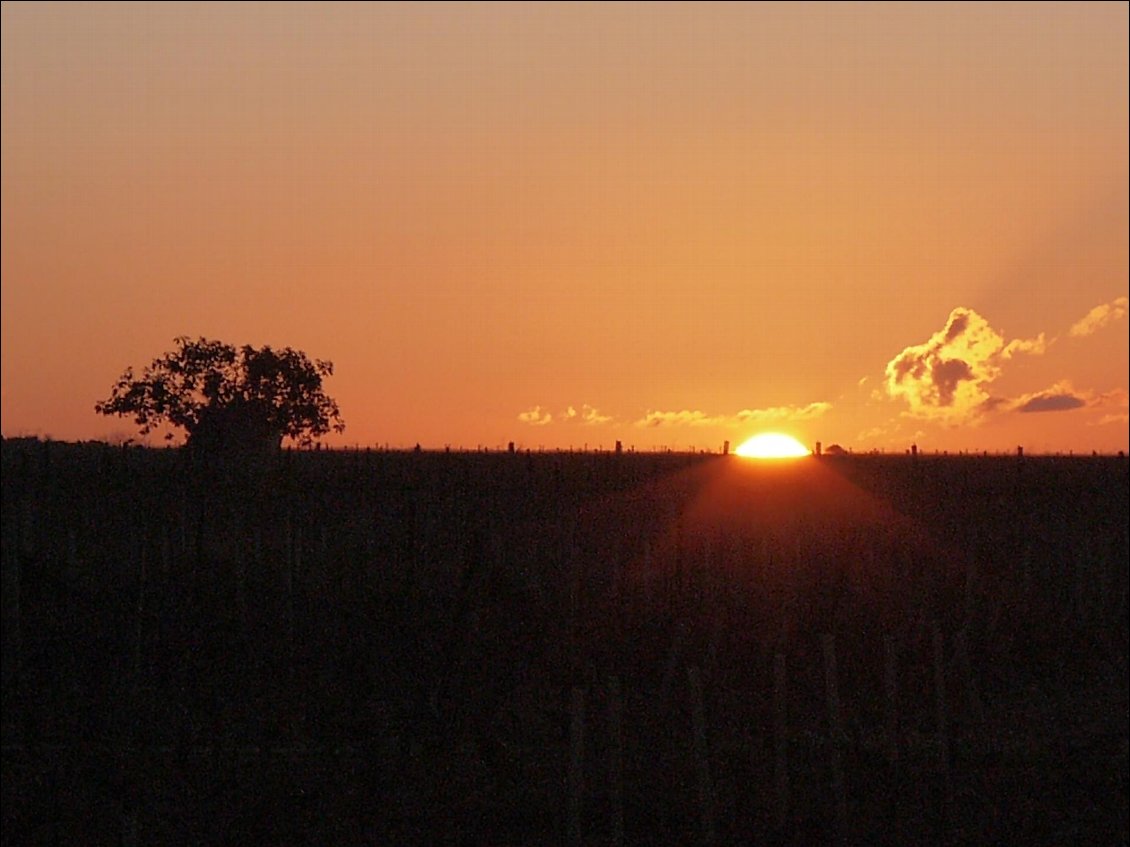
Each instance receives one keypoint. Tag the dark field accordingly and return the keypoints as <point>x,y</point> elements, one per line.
<point>511,649</point>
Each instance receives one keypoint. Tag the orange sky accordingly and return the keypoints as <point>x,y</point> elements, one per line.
<point>863,224</point>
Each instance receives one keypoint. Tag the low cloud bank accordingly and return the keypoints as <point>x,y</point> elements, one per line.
<point>697,418</point>
<point>585,416</point>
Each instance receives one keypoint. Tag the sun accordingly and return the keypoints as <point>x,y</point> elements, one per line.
<point>772,445</point>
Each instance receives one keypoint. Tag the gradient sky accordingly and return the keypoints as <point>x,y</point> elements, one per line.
<point>575,224</point>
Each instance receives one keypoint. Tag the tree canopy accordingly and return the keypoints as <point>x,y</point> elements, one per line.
<point>226,397</point>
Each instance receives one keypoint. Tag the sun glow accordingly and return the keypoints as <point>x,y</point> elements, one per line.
<point>772,445</point>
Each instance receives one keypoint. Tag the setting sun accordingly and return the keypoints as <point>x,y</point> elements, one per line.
<point>772,445</point>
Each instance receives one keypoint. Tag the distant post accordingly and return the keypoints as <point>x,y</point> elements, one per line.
<point>725,448</point>
<point>819,448</point>
<point>510,447</point>
<point>619,448</point>
<point>914,451</point>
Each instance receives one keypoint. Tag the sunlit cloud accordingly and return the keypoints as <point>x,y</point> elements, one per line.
<point>592,416</point>
<point>588,416</point>
<point>685,417</point>
<point>947,377</point>
<point>781,413</point>
<point>1032,346</point>
<point>535,417</point>
<point>771,414</point>
<point>585,416</point>
<point>1100,316</point>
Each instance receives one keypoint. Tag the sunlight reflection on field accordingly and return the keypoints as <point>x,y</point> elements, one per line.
<point>733,528</point>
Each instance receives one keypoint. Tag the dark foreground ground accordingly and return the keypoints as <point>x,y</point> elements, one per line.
<point>393,648</point>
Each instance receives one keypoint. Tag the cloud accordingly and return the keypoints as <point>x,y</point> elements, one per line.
<point>874,434</point>
<point>686,417</point>
<point>1118,399</point>
<point>1052,403</point>
<point>946,377</point>
<point>588,416</point>
<point>592,416</point>
<point>771,414</point>
<point>535,417</point>
<point>1100,316</point>
<point>1032,346</point>
<point>1062,397</point>
<point>781,413</point>
<point>1116,417</point>
<point>890,432</point>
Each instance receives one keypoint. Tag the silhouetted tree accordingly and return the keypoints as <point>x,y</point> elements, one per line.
<point>228,398</point>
